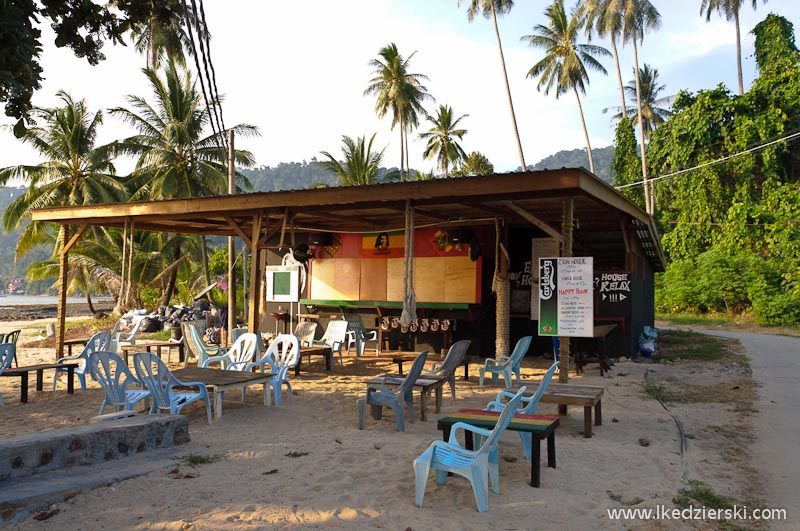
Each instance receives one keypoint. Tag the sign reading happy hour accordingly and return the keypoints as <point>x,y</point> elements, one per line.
<point>566,302</point>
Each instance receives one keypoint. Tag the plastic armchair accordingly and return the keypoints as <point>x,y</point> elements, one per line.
<point>356,334</point>
<point>282,354</point>
<point>334,337</point>
<point>11,337</point>
<point>506,365</point>
<point>447,369</point>
<point>196,346</point>
<point>7,354</point>
<point>240,354</point>
<point>99,341</point>
<point>527,405</point>
<point>475,465</point>
<point>161,383</point>
<point>305,332</point>
<point>129,337</point>
<point>398,399</point>
<point>114,376</point>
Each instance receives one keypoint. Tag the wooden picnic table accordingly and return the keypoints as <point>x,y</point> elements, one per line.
<point>564,395</point>
<point>539,426</point>
<point>158,345</point>
<point>425,384</point>
<point>326,352</point>
<point>219,381</point>
<point>409,357</point>
<point>69,343</point>
<point>23,372</point>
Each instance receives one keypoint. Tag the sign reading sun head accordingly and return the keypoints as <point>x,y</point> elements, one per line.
<point>283,283</point>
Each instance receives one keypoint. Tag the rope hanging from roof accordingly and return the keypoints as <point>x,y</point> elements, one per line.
<point>409,297</point>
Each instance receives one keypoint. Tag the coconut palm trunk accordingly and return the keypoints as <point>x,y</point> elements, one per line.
<point>508,89</point>
<point>648,192</point>
<point>738,51</point>
<point>585,131</point>
<point>619,75</point>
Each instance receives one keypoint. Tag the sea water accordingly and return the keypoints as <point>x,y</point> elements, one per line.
<point>36,300</point>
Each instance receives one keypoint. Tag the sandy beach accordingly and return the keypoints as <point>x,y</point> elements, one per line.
<point>343,478</point>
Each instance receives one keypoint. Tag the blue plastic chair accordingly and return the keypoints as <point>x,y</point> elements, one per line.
<point>99,341</point>
<point>505,365</point>
<point>114,376</point>
<point>451,362</point>
<point>7,355</point>
<point>161,383</point>
<point>239,356</point>
<point>474,465</point>
<point>358,335</point>
<point>282,354</point>
<point>527,405</point>
<point>11,337</point>
<point>398,398</point>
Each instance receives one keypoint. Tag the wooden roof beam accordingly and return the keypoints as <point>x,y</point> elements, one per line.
<point>527,216</point>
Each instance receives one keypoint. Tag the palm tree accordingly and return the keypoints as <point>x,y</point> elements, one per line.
<point>361,164</point>
<point>398,91</point>
<point>604,17</point>
<point>174,159</point>
<point>652,114</point>
<point>564,66</point>
<point>442,138</point>
<point>163,35</point>
<point>639,16</point>
<point>490,9</point>
<point>730,10</point>
<point>75,171</point>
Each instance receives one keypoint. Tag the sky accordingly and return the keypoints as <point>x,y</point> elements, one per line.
<point>298,70</point>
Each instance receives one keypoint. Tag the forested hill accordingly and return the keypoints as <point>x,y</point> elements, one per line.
<point>573,158</point>
<point>295,176</point>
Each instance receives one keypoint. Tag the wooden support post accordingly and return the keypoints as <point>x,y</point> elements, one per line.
<point>63,265</point>
<point>503,295</point>
<point>231,244</point>
<point>567,224</point>
<point>256,276</point>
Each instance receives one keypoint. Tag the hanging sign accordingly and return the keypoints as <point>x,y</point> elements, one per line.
<point>566,301</point>
<point>283,283</point>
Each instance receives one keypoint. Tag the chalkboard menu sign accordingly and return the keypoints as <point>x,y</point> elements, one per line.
<point>613,292</point>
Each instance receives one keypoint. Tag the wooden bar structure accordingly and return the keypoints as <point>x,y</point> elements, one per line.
<point>604,223</point>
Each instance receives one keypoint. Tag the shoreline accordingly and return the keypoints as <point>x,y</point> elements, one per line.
<point>35,312</point>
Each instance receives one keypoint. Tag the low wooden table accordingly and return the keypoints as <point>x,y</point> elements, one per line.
<point>424,384</point>
<point>158,345</point>
<point>69,343</point>
<point>539,426</point>
<point>220,381</point>
<point>565,395</point>
<point>23,372</point>
<point>326,352</point>
<point>598,343</point>
<point>409,358</point>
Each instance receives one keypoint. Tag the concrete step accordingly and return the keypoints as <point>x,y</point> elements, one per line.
<point>109,440</point>
<point>22,497</point>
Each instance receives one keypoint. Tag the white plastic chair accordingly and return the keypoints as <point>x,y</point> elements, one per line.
<point>282,354</point>
<point>240,354</point>
<point>334,337</point>
<point>305,332</point>
<point>99,341</point>
<point>129,337</point>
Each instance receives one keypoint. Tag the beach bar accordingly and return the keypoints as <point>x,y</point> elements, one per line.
<point>472,245</point>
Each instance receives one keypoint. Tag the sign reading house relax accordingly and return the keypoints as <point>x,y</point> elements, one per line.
<point>566,299</point>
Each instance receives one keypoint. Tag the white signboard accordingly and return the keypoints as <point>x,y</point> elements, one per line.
<point>566,306</point>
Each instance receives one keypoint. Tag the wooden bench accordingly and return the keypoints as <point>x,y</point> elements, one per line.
<point>588,396</point>
<point>23,372</point>
<point>409,358</point>
<point>539,426</point>
<point>158,345</point>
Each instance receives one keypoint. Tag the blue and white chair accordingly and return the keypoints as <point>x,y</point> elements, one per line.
<point>168,393</point>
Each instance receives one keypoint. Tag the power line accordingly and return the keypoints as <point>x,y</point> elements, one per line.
<point>786,138</point>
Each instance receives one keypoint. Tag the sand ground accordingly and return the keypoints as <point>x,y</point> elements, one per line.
<point>343,478</point>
